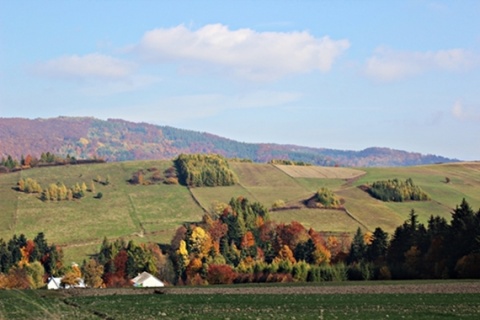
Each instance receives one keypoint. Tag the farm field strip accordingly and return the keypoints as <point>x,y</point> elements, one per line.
<point>320,172</point>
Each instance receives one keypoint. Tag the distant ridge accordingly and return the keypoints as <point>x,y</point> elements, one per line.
<point>120,140</point>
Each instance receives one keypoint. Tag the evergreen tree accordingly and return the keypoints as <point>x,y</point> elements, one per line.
<point>358,249</point>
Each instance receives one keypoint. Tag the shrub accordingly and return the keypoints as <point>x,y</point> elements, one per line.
<point>220,274</point>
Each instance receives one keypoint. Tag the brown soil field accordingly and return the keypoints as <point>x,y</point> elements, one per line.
<point>320,172</point>
<point>400,288</point>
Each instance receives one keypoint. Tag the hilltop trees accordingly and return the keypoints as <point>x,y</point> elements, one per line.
<point>396,190</point>
<point>199,170</point>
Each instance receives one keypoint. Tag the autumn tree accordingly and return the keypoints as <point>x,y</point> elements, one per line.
<point>93,272</point>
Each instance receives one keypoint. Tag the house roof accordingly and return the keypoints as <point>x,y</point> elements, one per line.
<point>143,277</point>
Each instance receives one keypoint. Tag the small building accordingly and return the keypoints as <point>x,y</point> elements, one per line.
<point>146,280</point>
<point>55,283</point>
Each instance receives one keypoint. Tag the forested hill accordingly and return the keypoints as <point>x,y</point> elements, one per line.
<point>119,140</point>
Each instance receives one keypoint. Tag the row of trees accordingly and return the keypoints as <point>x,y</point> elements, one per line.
<point>118,262</point>
<point>397,191</point>
<point>46,159</point>
<point>200,170</point>
<point>55,192</point>
<point>237,242</point>
<point>240,244</point>
<point>289,162</point>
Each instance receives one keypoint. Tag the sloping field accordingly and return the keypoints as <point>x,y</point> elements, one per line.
<point>154,212</point>
<point>143,213</point>
<point>318,219</point>
<point>268,183</point>
<point>320,172</point>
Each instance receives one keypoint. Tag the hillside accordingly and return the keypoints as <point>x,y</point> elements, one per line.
<point>153,212</point>
<point>119,140</point>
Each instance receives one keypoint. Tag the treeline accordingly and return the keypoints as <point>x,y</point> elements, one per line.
<point>9,164</point>
<point>117,262</point>
<point>397,191</point>
<point>225,248</point>
<point>28,263</point>
<point>57,191</point>
<point>238,243</point>
<point>198,170</point>
<point>289,162</point>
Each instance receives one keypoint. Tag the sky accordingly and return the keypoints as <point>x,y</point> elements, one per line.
<point>328,74</point>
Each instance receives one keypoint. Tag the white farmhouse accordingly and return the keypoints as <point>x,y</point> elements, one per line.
<point>145,280</point>
<point>55,283</point>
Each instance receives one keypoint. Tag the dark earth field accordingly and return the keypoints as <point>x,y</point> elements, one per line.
<point>352,300</point>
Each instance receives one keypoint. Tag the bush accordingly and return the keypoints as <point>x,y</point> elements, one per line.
<point>220,274</point>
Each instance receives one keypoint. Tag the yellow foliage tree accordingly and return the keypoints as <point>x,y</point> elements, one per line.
<point>182,253</point>
<point>93,274</point>
<point>285,253</point>
<point>322,255</point>
<point>201,242</point>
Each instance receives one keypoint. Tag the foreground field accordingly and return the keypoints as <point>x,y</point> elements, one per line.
<point>409,300</point>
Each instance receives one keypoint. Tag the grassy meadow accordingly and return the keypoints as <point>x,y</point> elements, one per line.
<point>154,212</point>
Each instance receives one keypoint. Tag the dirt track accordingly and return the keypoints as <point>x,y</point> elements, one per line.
<point>424,287</point>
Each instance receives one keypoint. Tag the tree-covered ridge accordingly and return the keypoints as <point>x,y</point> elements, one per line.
<point>119,140</point>
<point>199,170</point>
<point>397,191</point>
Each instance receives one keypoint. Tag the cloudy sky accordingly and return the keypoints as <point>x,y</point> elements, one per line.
<point>334,74</point>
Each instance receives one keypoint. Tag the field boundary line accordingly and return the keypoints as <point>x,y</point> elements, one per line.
<point>196,200</point>
<point>133,215</point>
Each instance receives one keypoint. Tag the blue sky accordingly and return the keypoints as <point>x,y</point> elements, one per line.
<point>333,74</point>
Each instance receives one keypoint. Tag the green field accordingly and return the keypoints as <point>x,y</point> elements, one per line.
<point>256,304</point>
<point>154,212</point>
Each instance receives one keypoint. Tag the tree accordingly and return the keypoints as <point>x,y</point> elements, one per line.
<point>379,245</point>
<point>358,249</point>
<point>464,237</point>
<point>93,272</point>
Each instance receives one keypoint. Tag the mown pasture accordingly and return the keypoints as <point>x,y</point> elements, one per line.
<point>154,212</point>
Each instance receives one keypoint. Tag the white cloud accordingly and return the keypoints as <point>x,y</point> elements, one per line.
<point>243,53</point>
<point>389,65</point>
<point>465,113</point>
<point>87,67</point>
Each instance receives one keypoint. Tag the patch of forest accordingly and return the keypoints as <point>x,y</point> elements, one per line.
<point>197,170</point>
<point>397,191</point>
